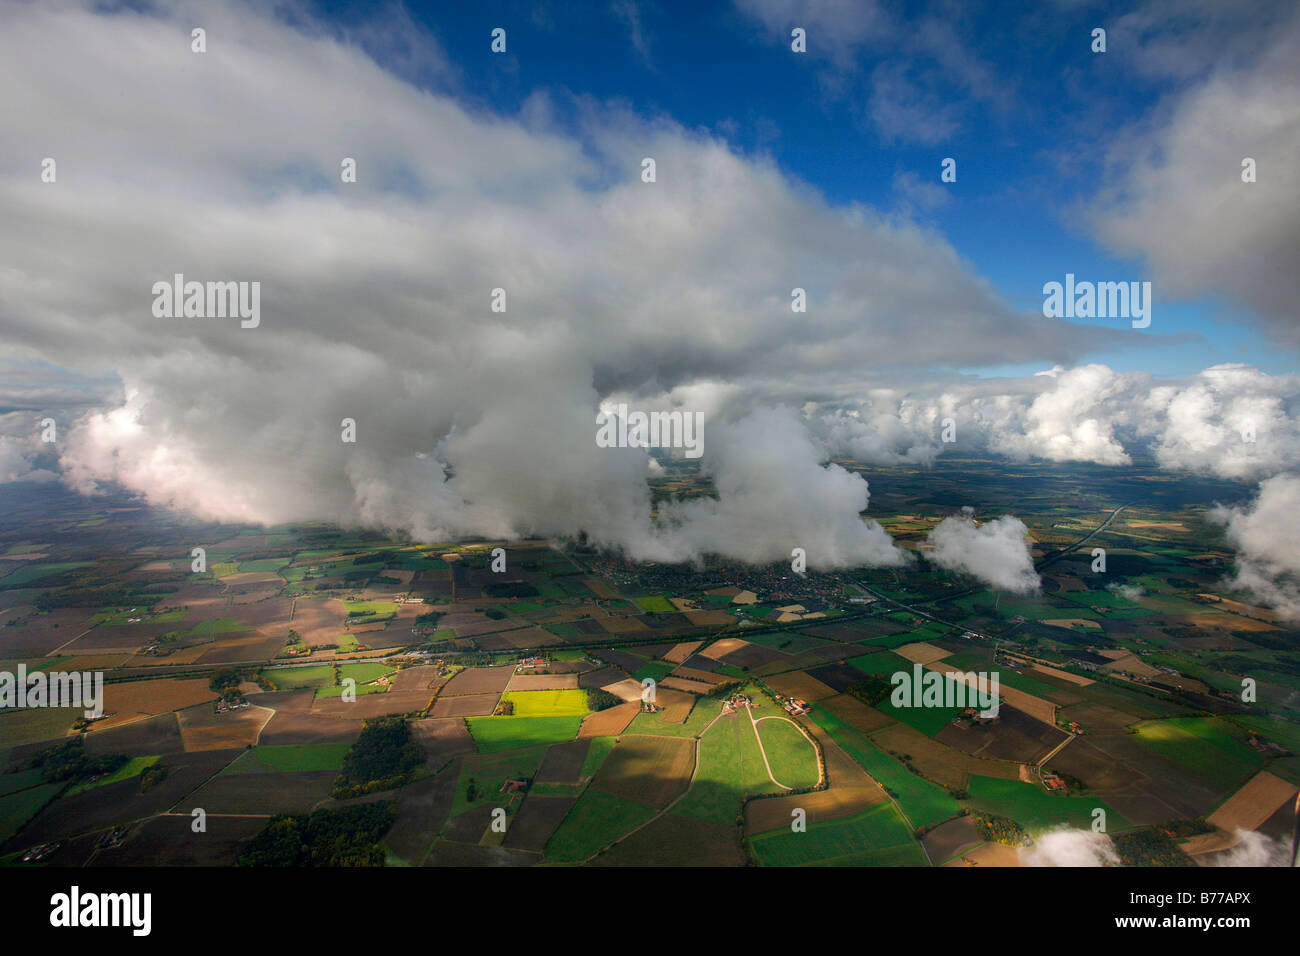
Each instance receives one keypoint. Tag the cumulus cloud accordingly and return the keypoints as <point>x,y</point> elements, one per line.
<point>1064,846</point>
<point>774,495</point>
<point>1266,534</point>
<point>1129,592</point>
<point>1177,196</point>
<point>1233,421</point>
<point>18,462</point>
<point>1067,847</point>
<point>1071,421</point>
<point>874,433</point>
<point>1255,849</point>
<point>375,295</point>
<point>375,300</point>
<point>995,552</point>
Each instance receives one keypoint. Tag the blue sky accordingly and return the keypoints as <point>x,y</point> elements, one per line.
<point>1020,101</point>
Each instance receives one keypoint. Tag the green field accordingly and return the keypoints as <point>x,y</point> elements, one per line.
<point>492,734</point>
<point>1028,684</point>
<point>132,768</point>
<point>262,564</point>
<point>876,837</point>
<point>731,769</point>
<point>655,604</point>
<point>290,758</point>
<point>548,703</point>
<point>37,571</point>
<point>881,664</point>
<point>19,780</point>
<point>595,820</point>
<point>1034,809</point>
<point>1207,746</point>
<point>791,754</point>
<point>366,672</point>
<point>370,609</point>
<point>596,754</point>
<point>898,640</point>
<point>928,720</point>
<point>489,772</point>
<point>655,670</point>
<point>17,808</point>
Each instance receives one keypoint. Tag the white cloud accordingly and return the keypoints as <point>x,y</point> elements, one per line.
<point>1178,198</point>
<point>774,495</point>
<point>1067,847</point>
<point>1255,849</point>
<point>1072,421</point>
<point>1129,592</point>
<point>1233,421</point>
<point>995,552</point>
<point>17,462</point>
<point>375,295</point>
<point>1266,535</point>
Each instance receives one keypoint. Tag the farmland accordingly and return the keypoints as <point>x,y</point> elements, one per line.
<point>525,695</point>
<point>877,837</point>
<point>510,733</point>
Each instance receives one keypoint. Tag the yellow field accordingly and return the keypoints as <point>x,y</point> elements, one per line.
<point>548,703</point>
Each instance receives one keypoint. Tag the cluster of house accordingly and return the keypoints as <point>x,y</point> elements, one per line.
<point>407,599</point>
<point>794,706</point>
<point>113,838</point>
<point>530,664</point>
<point>1129,675</point>
<point>735,702</point>
<point>972,715</point>
<point>1052,782</point>
<point>773,583</point>
<point>515,790</point>
<point>40,852</point>
<point>225,706</point>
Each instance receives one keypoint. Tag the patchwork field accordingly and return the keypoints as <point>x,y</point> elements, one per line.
<point>1126,683</point>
